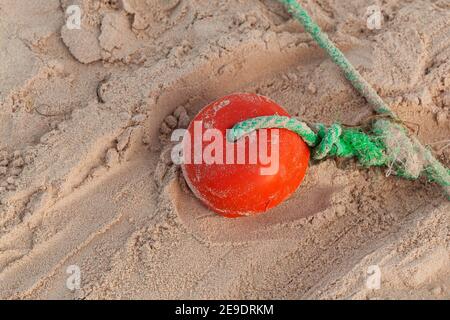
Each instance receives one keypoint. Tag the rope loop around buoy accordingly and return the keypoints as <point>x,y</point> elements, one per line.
<point>403,155</point>
<point>386,144</point>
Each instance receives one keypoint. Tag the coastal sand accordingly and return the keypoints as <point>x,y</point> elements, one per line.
<point>86,181</point>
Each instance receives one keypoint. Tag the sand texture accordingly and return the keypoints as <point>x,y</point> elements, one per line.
<point>86,180</point>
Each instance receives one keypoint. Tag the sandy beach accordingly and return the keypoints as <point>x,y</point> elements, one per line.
<point>87,183</point>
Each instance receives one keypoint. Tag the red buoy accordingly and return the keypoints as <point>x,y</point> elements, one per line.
<point>251,175</point>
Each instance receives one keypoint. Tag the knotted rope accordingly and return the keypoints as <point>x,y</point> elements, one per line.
<point>387,143</point>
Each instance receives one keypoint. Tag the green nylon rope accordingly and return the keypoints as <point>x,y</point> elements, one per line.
<point>374,148</point>
<point>352,75</point>
<point>334,141</point>
<point>386,145</point>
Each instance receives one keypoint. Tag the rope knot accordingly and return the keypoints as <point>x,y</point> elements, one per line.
<point>329,142</point>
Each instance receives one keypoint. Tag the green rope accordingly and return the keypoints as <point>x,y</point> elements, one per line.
<point>387,144</point>
<point>335,141</point>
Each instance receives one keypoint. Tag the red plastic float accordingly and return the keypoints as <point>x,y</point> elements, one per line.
<point>235,189</point>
